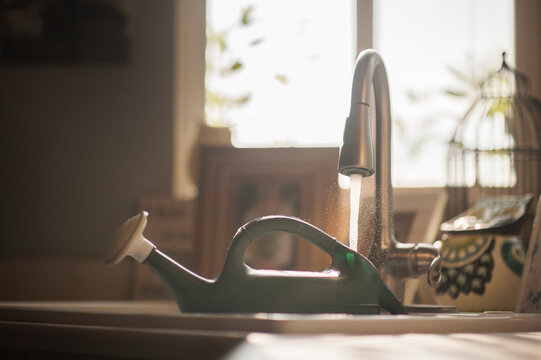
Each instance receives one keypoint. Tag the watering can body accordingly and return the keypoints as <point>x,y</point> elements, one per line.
<point>351,284</point>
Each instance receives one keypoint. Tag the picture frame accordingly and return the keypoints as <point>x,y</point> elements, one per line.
<point>240,184</point>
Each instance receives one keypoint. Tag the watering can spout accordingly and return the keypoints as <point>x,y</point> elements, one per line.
<point>130,241</point>
<point>193,293</point>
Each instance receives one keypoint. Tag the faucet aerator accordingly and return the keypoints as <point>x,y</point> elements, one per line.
<point>349,171</point>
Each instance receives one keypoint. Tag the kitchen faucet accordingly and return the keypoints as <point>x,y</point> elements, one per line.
<point>395,261</point>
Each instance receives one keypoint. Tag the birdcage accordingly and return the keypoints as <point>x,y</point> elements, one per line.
<point>496,147</point>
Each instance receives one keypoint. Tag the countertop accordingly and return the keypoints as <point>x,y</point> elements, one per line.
<point>157,330</point>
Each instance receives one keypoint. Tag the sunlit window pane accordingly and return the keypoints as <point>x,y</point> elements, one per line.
<point>432,49</point>
<point>279,71</point>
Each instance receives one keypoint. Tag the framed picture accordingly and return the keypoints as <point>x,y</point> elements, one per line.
<point>239,185</point>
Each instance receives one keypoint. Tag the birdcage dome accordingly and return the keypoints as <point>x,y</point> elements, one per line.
<point>496,147</point>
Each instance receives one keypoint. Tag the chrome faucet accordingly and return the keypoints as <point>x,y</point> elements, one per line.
<point>395,261</point>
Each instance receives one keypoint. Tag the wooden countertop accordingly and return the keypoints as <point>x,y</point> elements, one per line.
<point>158,330</point>
<point>463,346</point>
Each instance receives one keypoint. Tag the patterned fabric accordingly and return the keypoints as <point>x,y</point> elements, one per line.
<point>471,275</point>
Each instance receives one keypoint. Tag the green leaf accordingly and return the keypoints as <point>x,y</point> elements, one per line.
<point>246,18</point>
<point>237,65</point>
<point>281,78</point>
<point>500,106</point>
<point>214,38</point>
<point>213,99</point>
<point>456,93</point>
<point>243,100</point>
<point>222,43</point>
<point>256,42</point>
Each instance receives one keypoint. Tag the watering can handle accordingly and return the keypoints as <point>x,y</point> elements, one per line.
<point>250,231</point>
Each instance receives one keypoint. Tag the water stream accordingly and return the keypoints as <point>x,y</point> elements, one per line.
<point>354,200</point>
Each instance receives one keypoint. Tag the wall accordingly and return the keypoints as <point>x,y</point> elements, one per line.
<point>80,145</point>
<point>528,41</point>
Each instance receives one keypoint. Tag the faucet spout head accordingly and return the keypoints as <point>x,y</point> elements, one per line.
<point>356,153</point>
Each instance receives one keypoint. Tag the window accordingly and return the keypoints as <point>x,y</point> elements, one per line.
<point>433,49</point>
<point>279,72</point>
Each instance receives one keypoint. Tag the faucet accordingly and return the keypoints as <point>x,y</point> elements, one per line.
<point>394,260</point>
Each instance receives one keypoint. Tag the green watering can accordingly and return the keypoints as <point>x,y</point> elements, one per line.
<point>351,284</point>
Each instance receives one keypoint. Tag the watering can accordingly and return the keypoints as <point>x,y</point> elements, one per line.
<point>351,284</point>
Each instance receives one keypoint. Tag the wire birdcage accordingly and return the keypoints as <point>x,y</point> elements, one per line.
<point>496,147</point>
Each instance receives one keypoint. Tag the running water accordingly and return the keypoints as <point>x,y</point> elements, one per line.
<point>354,200</point>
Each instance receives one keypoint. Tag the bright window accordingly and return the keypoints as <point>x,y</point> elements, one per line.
<point>279,71</point>
<point>432,49</point>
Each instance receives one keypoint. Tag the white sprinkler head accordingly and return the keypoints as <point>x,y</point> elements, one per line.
<point>129,241</point>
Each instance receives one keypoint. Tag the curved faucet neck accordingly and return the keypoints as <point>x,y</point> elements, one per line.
<point>395,260</point>
<point>370,72</point>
